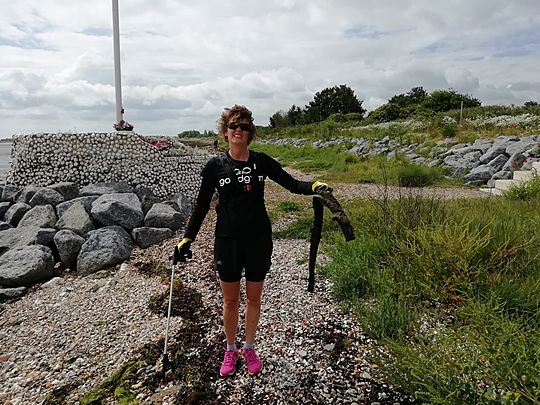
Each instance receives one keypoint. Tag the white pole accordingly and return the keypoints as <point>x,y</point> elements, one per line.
<point>117,73</point>
<point>461,113</point>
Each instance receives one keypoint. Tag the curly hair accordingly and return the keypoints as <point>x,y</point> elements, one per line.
<point>238,112</point>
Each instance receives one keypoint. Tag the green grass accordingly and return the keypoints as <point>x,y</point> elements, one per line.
<point>336,165</point>
<point>451,288</point>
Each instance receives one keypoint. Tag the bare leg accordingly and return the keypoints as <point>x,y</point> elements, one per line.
<point>253,308</point>
<point>231,300</point>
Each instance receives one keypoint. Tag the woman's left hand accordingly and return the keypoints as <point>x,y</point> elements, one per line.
<point>319,186</point>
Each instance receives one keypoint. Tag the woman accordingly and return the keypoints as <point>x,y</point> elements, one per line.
<point>243,234</point>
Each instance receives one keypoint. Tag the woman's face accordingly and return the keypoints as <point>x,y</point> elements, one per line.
<point>238,131</point>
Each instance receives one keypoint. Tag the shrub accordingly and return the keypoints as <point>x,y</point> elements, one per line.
<point>449,130</point>
<point>412,175</point>
<point>526,191</point>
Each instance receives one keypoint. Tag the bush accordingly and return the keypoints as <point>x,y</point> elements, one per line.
<point>526,191</point>
<point>412,175</point>
<point>449,130</point>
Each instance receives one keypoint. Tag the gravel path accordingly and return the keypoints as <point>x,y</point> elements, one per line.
<point>72,333</point>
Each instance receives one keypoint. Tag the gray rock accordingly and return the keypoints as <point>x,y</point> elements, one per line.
<point>68,190</point>
<point>15,213</point>
<point>498,162</point>
<point>163,216</point>
<point>514,162</point>
<point>76,219</point>
<point>4,206</point>
<point>27,193</point>
<point>500,175</point>
<point>9,193</point>
<point>10,293</point>
<point>28,235</point>
<point>184,204</point>
<point>106,188</point>
<point>122,209</point>
<point>496,150</point>
<point>145,237</point>
<point>68,244</point>
<point>42,216</point>
<point>479,175</point>
<point>46,196</point>
<point>147,198</point>
<point>104,248</point>
<point>26,266</point>
<point>86,201</point>
<point>4,226</point>
<point>482,144</point>
<point>523,146</point>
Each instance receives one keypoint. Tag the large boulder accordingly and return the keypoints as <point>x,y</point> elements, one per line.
<point>42,216</point>
<point>28,235</point>
<point>26,194</point>
<point>26,266</point>
<point>145,237</point>
<point>10,293</point>
<point>68,244</point>
<point>46,196</point>
<point>4,206</point>
<point>105,247</point>
<point>147,198</point>
<point>9,193</point>
<point>163,216</point>
<point>479,175</point>
<point>15,213</point>
<point>122,209</point>
<point>69,190</point>
<point>77,219</point>
<point>86,201</point>
<point>106,188</point>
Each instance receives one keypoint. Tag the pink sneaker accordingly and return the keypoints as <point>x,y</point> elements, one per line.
<point>253,363</point>
<point>228,367</point>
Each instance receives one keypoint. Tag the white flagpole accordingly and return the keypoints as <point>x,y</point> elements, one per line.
<point>117,73</point>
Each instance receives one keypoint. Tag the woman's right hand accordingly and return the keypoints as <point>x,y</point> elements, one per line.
<point>182,251</point>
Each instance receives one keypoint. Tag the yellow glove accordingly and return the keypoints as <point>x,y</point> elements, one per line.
<point>182,251</point>
<point>319,186</point>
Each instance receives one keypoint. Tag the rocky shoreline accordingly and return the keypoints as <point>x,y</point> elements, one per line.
<point>67,336</point>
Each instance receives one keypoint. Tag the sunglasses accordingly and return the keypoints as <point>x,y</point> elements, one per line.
<point>243,127</point>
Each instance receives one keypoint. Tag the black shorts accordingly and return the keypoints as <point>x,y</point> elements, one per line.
<point>231,256</point>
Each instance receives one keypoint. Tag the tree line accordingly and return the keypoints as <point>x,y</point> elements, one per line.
<point>341,103</point>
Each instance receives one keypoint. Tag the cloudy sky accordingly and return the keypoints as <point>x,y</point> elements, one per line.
<point>182,62</point>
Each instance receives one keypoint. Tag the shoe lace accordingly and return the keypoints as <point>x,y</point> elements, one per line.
<point>229,358</point>
<point>251,356</point>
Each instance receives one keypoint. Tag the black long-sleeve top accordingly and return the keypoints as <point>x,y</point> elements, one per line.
<point>241,212</point>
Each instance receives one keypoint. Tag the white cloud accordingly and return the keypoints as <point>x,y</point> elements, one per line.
<point>183,62</point>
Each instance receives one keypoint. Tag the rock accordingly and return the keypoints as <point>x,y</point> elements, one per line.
<point>163,216</point>
<point>77,219</point>
<point>26,266</point>
<point>147,198</point>
<point>46,196</point>
<point>523,146</point>
<point>42,216</point>
<point>28,235</point>
<point>479,175</point>
<point>498,162</point>
<point>503,175</point>
<point>4,206</point>
<point>496,150</point>
<point>122,209</point>
<point>26,194</point>
<point>514,162</point>
<point>104,248</point>
<point>69,190</point>
<point>86,201</point>
<point>10,293</point>
<point>4,226</point>
<point>184,204</point>
<point>106,188</point>
<point>15,213</point>
<point>145,237</point>
<point>9,193</point>
<point>53,282</point>
<point>68,244</point>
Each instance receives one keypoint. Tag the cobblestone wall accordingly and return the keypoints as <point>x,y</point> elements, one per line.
<point>84,158</point>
